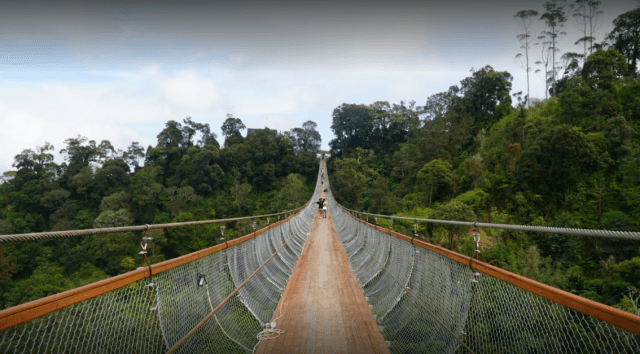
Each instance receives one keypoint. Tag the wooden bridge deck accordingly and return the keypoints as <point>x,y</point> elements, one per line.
<point>323,307</point>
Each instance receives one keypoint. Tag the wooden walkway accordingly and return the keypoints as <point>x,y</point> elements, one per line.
<point>323,307</point>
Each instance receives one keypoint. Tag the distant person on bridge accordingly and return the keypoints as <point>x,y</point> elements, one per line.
<point>320,205</point>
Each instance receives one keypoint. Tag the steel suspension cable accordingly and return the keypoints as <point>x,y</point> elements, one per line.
<point>73,233</point>
<point>630,235</point>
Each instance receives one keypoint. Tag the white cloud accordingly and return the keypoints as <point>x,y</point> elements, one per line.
<point>133,106</point>
<point>191,91</point>
<point>151,69</point>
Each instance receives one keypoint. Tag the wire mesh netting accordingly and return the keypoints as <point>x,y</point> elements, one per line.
<point>153,314</point>
<point>427,303</point>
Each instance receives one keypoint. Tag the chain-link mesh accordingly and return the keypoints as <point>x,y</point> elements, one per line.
<point>120,321</point>
<point>427,303</point>
<point>153,314</point>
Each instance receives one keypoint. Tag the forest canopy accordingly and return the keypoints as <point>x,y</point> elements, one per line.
<point>186,176</point>
<point>479,152</point>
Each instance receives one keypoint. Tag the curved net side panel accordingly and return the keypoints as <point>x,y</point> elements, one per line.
<point>453,304</point>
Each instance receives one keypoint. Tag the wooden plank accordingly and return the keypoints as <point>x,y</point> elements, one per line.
<point>324,308</point>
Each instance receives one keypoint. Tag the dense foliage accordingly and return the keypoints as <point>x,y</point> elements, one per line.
<point>572,160</point>
<point>185,177</point>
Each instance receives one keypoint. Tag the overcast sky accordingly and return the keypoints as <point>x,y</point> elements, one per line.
<point>119,70</point>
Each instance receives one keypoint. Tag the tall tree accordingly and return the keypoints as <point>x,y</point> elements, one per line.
<point>438,104</point>
<point>231,130</point>
<point>525,19</point>
<point>352,126</point>
<point>434,175</point>
<point>133,155</point>
<point>554,18</point>
<point>588,17</point>
<point>207,137</point>
<point>485,97</point>
<point>545,59</point>
<point>307,138</point>
<point>625,38</point>
<point>603,68</point>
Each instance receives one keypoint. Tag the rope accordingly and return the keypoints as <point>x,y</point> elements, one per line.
<point>269,333</point>
<point>73,233</point>
<point>630,235</point>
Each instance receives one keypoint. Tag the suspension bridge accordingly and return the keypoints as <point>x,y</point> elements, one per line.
<point>308,284</point>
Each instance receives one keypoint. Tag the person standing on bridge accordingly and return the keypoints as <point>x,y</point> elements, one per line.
<point>320,205</point>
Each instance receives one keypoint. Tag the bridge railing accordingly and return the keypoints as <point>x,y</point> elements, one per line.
<point>217,299</point>
<point>429,299</point>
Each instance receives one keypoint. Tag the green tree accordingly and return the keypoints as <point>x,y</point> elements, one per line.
<point>231,129</point>
<point>292,194</point>
<point>556,161</point>
<point>454,211</point>
<point>306,139</point>
<point>113,218</point>
<point>179,198</point>
<point>434,176</point>
<point>625,38</point>
<point>207,137</point>
<point>200,169</point>
<point>54,199</point>
<point>47,279</point>
<point>241,195</point>
<point>486,96</point>
<point>116,201</point>
<point>352,126</point>
<point>78,154</point>
<point>112,176</point>
<point>145,190</point>
<point>133,155</point>
<point>186,239</point>
<point>603,69</point>
<point>349,182</point>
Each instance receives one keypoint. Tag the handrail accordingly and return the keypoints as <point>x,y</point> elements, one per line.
<point>107,230</point>
<point>612,315</point>
<point>36,308</point>
<point>631,235</point>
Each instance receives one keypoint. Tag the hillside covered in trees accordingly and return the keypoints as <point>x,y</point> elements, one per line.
<point>470,153</point>
<point>187,176</point>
